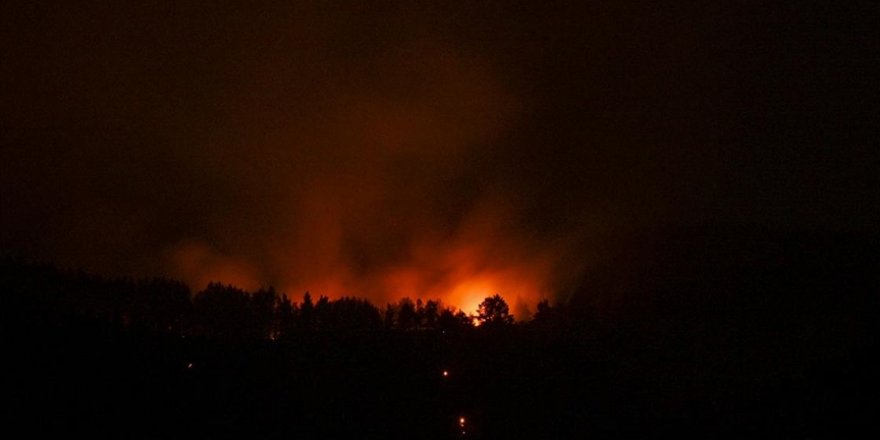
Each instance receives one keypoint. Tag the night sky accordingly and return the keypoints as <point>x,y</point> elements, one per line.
<point>430,149</point>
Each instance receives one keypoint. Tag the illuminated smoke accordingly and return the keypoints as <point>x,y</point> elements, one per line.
<point>376,191</point>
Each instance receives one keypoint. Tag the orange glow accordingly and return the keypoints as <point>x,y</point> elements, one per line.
<point>363,196</point>
<point>460,274</point>
<point>470,293</point>
<point>445,373</point>
<point>461,422</point>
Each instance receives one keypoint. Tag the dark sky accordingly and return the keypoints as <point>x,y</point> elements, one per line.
<point>423,148</point>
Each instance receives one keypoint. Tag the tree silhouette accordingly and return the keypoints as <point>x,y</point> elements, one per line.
<point>494,312</point>
<point>406,314</point>
<point>224,312</point>
<point>307,313</point>
<point>323,314</point>
<point>286,315</point>
<point>453,321</point>
<point>263,303</point>
<point>420,313</point>
<point>349,314</point>
<point>431,313</point>
<point>126,344</point>
<point>388,317</point>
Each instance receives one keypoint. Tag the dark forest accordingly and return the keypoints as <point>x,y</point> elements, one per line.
<point>727,333</point>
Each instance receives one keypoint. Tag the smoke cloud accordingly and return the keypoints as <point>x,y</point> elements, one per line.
<point>450,150</point>
<point>385,188</point>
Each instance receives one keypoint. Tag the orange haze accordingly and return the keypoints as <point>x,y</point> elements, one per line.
<point>460,271</point>
<point>387,187</point>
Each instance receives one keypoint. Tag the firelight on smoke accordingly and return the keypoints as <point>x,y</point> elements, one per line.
<point>384,189</point>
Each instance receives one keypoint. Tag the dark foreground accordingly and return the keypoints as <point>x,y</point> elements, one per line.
<point>381,386</point>
<point>791,353</point>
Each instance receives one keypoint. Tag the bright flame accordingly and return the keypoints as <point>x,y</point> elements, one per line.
<point>475,263</point>
<point>461,272</point>
<point>470,293</point>
<point>373,193</point>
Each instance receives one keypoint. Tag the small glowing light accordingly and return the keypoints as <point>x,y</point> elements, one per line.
<point>445,373</point>
<point>189,365</point>
<point>461,421</point>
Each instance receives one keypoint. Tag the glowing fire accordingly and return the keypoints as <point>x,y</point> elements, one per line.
<point>371,195</point>
<point>469,294</point>
<point>460,274</point>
